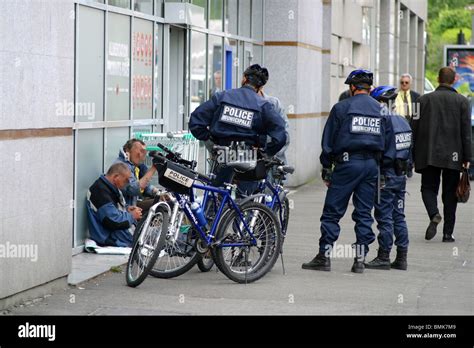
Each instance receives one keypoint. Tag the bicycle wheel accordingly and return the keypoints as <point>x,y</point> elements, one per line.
<point>179,255</point>
<point>246,264</point>
<point>206,262</point>
<point>147,246</point>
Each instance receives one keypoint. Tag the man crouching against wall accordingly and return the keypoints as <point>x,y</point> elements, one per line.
<point>111,220</point>
<point>138,191</point>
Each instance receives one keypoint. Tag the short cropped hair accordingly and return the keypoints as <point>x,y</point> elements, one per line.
<point>129,144</point>
<point>446,75</point>
<point>118,168</point>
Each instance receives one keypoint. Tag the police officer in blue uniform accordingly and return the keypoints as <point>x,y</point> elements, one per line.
<point>356,141</point>
<point>240,115</point>
<point>390,211</point>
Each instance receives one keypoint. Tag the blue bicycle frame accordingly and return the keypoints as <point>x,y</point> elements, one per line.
<point>276,201</point>
<point>226,199</point>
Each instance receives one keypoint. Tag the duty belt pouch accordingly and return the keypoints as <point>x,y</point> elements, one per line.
<point>175,178</point>
<point>401,167</point>
<point>258,173</point>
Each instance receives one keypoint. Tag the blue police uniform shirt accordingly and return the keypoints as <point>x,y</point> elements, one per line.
<point>357,125</point>
<point>403,137</point>
<point>239,115</point>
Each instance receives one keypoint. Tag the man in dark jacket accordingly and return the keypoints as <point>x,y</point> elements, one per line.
<point>111,220</point>
<point>442,147</point>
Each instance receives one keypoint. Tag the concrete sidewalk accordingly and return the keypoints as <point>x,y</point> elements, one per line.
<point>439,279</point>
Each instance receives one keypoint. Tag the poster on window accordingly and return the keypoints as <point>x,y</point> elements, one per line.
<point>142,58</point>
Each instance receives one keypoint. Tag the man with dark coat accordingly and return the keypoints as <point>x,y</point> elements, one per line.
<point>442,147</point>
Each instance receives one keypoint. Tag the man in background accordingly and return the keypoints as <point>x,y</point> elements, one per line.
<point>442,147</point>
<point>406,99</point>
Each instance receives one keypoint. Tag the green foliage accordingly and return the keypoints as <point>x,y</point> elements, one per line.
<point>445,19</point>
<point>432,76</point>
<point>436,6</point>
<point>451,35</point>
<point>449,19</point>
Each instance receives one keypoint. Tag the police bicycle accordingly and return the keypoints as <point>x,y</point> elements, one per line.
<point>271,192</point>
<point>243,240</point>
<point>180,254</point>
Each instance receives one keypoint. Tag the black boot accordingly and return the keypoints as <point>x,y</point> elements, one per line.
<point>319,263</point>
<point>448,238</point>
<point>382,261</point>
<point>431,230</point>
<point>358,266</point>
<point>401,260</point>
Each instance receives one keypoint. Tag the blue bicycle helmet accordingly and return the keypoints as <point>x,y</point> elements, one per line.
<point>384,93</point>
<point>360,76</point>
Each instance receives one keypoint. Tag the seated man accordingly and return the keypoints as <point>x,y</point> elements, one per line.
<point>133,155</point>
<point>111,220</point>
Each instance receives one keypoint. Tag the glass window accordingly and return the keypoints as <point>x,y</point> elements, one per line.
<point>247,55</point>
<point>114,140</point>
<point>137,131</point>
<point>142,58</point>
<point>198,70</point>
<point>118,67</point>
<point>232,47</point>
<point>145,6</point>
<point>89,167</point>
<point>215,65</point>
<point>158,72</point>
<point>203,4</point>
<point>159,8</point>
<point>257,55</point>
<point>215,15</point>
<point>244,17</point>
<point>366,25</point>
<point>231,16</point>
<point>90,64</point>
<point>257,19</point>
<point>120,3</point>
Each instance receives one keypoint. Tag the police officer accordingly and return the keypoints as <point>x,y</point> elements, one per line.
<point>240,115</point>
<point>354,144</point>
<point>390,211</point>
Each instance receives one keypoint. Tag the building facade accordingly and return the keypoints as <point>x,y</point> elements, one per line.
<point>80,77</point>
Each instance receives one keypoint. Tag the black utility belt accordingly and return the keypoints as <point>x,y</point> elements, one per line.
<point>346,156</point>
<point>229,142</point>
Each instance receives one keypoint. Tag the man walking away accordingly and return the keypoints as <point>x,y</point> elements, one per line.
<point>442,147</point>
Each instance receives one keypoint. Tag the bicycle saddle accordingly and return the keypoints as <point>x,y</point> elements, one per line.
<point>242,166</point>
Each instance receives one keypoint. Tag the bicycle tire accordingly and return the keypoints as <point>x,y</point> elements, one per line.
<point>205,263</point>
<point>271,248</point>
<point>185,267</point>
<point>156,242</point>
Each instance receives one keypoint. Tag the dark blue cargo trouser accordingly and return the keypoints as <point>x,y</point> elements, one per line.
<point>390,214</point>
<point>356,177</point>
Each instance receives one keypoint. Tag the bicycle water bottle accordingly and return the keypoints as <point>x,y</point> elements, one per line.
<point>268,200</point>
<point>199,212</point>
